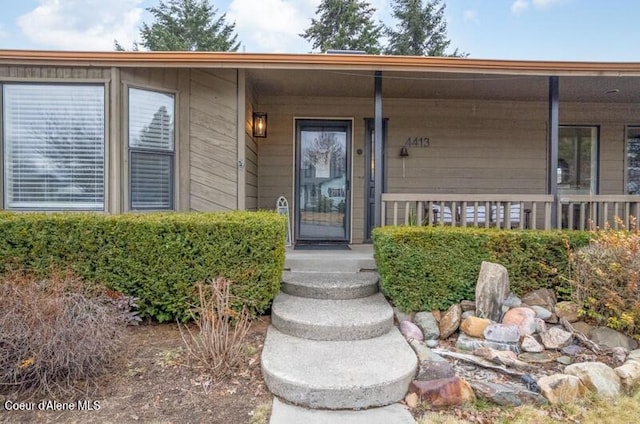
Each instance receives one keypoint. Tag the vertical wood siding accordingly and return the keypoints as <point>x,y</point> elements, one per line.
<point>251,152</point>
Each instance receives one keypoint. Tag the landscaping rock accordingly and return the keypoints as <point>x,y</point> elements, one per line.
<point>562,388</point>
<point>530,344</point>
<point>512,301</point>
<point>431,343</point>
<point>424,353</point>
<point>402,316</point>
<point>629,374</point>
<point>444,392</point>
<point>568,310</point>
<point>564,360</point>
<point>465,342</point>
<point>428,324</point>
<point>542,313</point>
<point>502,333</point>
<point>597,377</point>
<point>634,355</point>
<point>506,394</point>
<point>524,318</point>
<point>468,314</point>
<point>437,315</point>
<point>541,327</point>
<point>556,338</point>
<point>450,321</point>
<point>545,357</point>
<point>412,400</point>
<point>572,350</point>
<point>411,331</point>
<point>492,289</point>
<point>553,319</point>
<point>582,327</point>
<point>474,326</point>
<point>468,305</point>
<point>541,297</point>
<point>612,338</point>
<point>435,370</point>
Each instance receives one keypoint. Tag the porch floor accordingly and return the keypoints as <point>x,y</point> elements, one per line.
<point>359,258</point>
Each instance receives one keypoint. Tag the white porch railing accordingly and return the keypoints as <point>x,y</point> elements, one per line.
<point>507,210</point>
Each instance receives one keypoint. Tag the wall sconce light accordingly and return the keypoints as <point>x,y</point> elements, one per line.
<point>259,124</point>
<point>404,152</point>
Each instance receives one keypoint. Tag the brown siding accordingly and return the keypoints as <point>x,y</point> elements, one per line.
<point>213,138</point>
<point>47,72</point>
<point>251,153</point>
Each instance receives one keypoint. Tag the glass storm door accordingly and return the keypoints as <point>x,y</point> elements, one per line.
<point>322,180</point>
<point>577,160</point>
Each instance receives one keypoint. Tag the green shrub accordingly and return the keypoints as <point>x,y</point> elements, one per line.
<point>157,257</point>
<point>427,268</point>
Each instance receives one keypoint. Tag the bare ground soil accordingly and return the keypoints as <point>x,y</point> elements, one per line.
<point>155,382</point>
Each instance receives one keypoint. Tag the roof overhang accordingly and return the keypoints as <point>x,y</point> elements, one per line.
<point>346,62</point>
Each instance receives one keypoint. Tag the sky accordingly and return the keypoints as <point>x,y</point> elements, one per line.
<point>574,30</point>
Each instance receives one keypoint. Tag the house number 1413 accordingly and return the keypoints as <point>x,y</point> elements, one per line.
<point>417,142</point>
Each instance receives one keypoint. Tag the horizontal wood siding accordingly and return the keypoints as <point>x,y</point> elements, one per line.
<point>213,140</point>
<point>52,72</point>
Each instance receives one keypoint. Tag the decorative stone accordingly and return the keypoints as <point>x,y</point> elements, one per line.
<point>553,319</point>
<point>437,315</point>
<point>530,344</point>
<point>572,350</point>
<point>629,374</point>
<point>512,301</point>
<point>428,324</point>
<point>474,326</point>
<point>434,370</point>
<point>450,321</point>
<point>411,331</point>
<point>444,392</point>
<point>597,377</point>
<point>541,312</point>
<point>468,314</point>
<point>568,310</point>
<point>612,338</point>
<point>564,360</point>
<point>465,342</point>
<point>524,318</point>
<point>582,327</point>
<point>541,327</point>
<point>556,338</point>
<point>562,388</point>
<point>492,289</point>
<point>424,353</point>
<point>502,333</point>
<point>506,394</point>
<point>432,343</point>
<point>541,297</point>
<point>468,305</point>
<point>634,355</point>
<point>538,358</point>
<point>412,400</point>
<point>402,316</point>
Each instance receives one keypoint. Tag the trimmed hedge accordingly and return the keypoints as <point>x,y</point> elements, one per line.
<point>155,257</point>
<point>429,268</point>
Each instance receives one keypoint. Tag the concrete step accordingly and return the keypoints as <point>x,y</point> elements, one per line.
<point>338,374</point>
<point>283,413</point>
<point>329,261</point>
<point>322,319</point>
<point>334,285</point>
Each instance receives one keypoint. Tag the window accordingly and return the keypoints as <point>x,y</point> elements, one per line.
<point>151,149</point>
<point>54,137</point>
<point>577,171</point>
<point>633,160</point>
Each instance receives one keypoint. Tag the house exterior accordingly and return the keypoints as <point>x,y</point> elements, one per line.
<point>352,141</point>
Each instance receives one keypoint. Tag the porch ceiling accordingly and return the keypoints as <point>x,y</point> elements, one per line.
<point>328,83</point>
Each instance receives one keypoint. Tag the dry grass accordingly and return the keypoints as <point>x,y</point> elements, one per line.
<point>218,343</point>
<point>55,333</point>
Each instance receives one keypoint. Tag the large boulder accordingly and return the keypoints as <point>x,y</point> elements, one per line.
<point>428,324</point>
<point>524,318</point>
<point>474,326</point>
<point>492,289</point>
<point>444,392</point>
<point>612,338</point>
<point>506,394</point>
<point>597,377</point>
<point>562,388</point>
<point>450,321</point>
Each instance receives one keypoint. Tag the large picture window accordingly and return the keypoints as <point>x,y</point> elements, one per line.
<point>151,149</point>
<point>54,137</point>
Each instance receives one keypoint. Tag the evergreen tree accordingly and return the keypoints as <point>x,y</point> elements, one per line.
<point>421,30</point>
<point>191,25</point>
<point>344,25</point>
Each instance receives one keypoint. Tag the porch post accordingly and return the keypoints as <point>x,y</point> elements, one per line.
<point>554,122</point>
<point>377,174</point>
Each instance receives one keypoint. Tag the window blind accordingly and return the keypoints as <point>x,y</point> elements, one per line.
<point>54,138</point>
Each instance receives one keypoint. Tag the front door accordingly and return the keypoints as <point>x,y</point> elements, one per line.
<point>322,182</point>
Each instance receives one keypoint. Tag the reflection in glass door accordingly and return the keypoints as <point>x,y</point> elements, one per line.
<point>322,180</point>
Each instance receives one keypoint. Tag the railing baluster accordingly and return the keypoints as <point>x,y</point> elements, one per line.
<point>419,212</point>
<point>571,207</point>
<point>463,214</point>
<point>407,211</point>
<point>395,213</point>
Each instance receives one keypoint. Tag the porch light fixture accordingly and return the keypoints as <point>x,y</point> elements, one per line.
<point>259,124</point>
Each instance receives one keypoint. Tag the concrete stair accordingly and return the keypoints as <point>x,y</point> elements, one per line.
<point>332,349</point>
